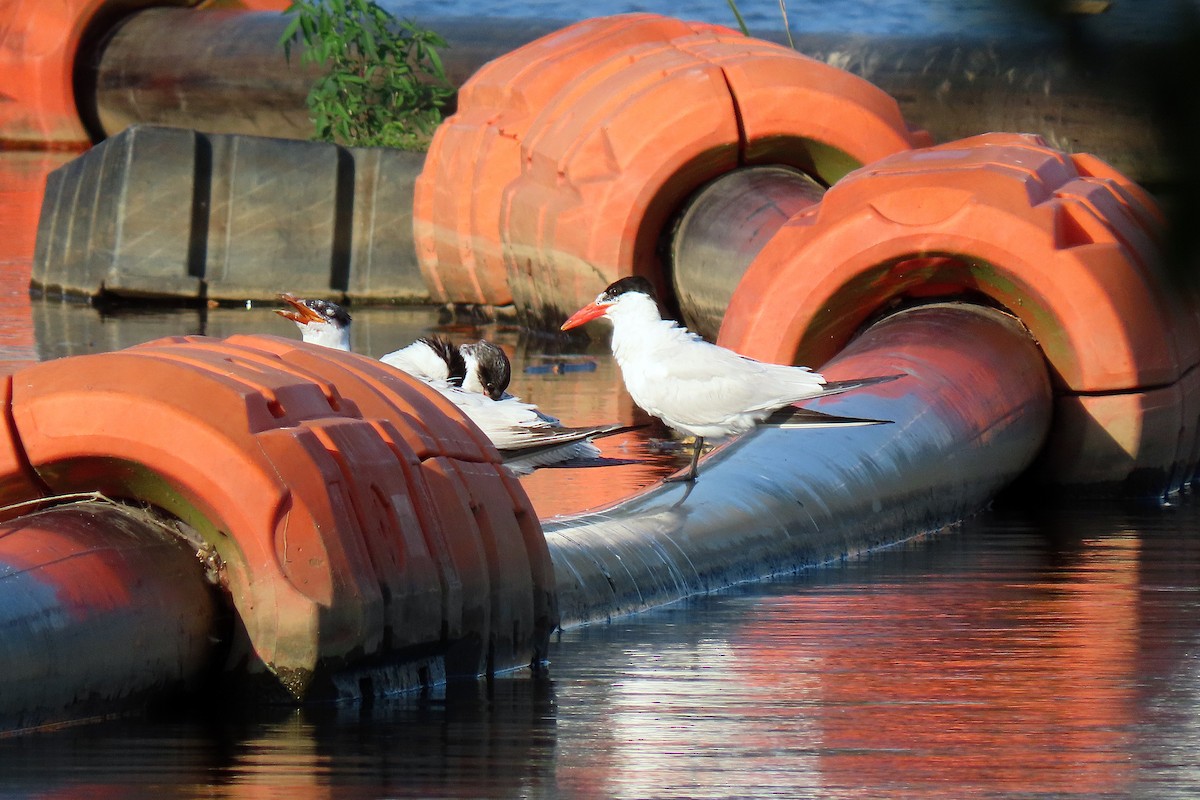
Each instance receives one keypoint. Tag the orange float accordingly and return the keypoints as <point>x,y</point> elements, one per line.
<point>583,144</point>
<point>40,44</point>
<point>475,153</point>
<point>1064,243</point>
<point>354,511</point>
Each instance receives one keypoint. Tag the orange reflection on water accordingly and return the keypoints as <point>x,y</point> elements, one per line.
<point>938,699</point>
<point>22,184</point>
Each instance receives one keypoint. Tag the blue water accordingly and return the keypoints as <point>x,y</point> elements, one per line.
<point>975,18</point>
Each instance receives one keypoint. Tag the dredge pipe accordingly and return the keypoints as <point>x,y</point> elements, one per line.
<point>223,71</point>
<point>101,611</point>
<point>228,74</point>
<point>969,416</point>
<point>723,227</point>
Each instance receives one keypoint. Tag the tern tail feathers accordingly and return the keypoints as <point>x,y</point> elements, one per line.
<point>796,417</point>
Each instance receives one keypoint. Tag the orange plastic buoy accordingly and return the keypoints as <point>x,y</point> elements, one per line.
<point>356,513</point>
<point>40,43</point>
<point>475,153</point>
<point>1062,242</point>
<point>568,157</point>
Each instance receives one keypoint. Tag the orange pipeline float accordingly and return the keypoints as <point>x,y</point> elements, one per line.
<point>581,145</point>
<point>1065,243</point>
<point>354,513</point>
<point>42,47</point>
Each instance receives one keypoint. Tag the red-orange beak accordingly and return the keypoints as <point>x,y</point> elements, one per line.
<point>299,312</point>
<point>586,314</point>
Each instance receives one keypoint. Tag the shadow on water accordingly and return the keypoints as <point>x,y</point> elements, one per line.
<point>468,740</point>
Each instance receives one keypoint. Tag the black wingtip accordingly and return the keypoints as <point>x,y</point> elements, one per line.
<point>796,417</point>
<point>838,387</point>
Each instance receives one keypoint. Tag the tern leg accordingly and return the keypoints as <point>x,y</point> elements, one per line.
<point>692,471</point>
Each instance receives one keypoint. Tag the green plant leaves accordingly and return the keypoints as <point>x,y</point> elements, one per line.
<point>384,82</point>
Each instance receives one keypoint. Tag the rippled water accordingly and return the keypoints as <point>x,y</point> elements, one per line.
<point>1017,656</point>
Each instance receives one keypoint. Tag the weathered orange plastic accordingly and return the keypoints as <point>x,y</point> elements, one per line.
<point>501,548</point>
<point>20,482</point>
<point>584,143</point>
<point>39,46</point>
<point>545,596</point>
<point>798,111</point>
<point>339,540</point>
<point>435,426</point>
<point>1062,242</point>
<point>602,177</point>
<point>476,151</point>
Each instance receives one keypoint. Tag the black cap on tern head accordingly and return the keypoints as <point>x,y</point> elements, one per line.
<point>330,310</point>
<point>630,283</point>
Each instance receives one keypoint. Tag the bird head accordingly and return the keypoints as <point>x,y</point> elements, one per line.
<point>320,321</point>
<point>488,369</point>
<point>632,285</point>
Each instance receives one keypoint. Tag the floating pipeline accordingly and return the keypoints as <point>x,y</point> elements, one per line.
<point>47,52</point>
<point>969,415</point>
<point>102,609</point>
<point>365,541</point>
<point>354,516</point>
<point>341,216</point>
<point>383,547</point>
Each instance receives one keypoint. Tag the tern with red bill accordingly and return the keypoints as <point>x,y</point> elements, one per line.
<point>430,358</point>
<point>698,388</point>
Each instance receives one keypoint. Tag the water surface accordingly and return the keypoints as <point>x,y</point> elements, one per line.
<point>1016,656</point>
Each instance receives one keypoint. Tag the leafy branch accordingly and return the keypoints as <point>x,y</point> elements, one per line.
<point>384,83</point>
